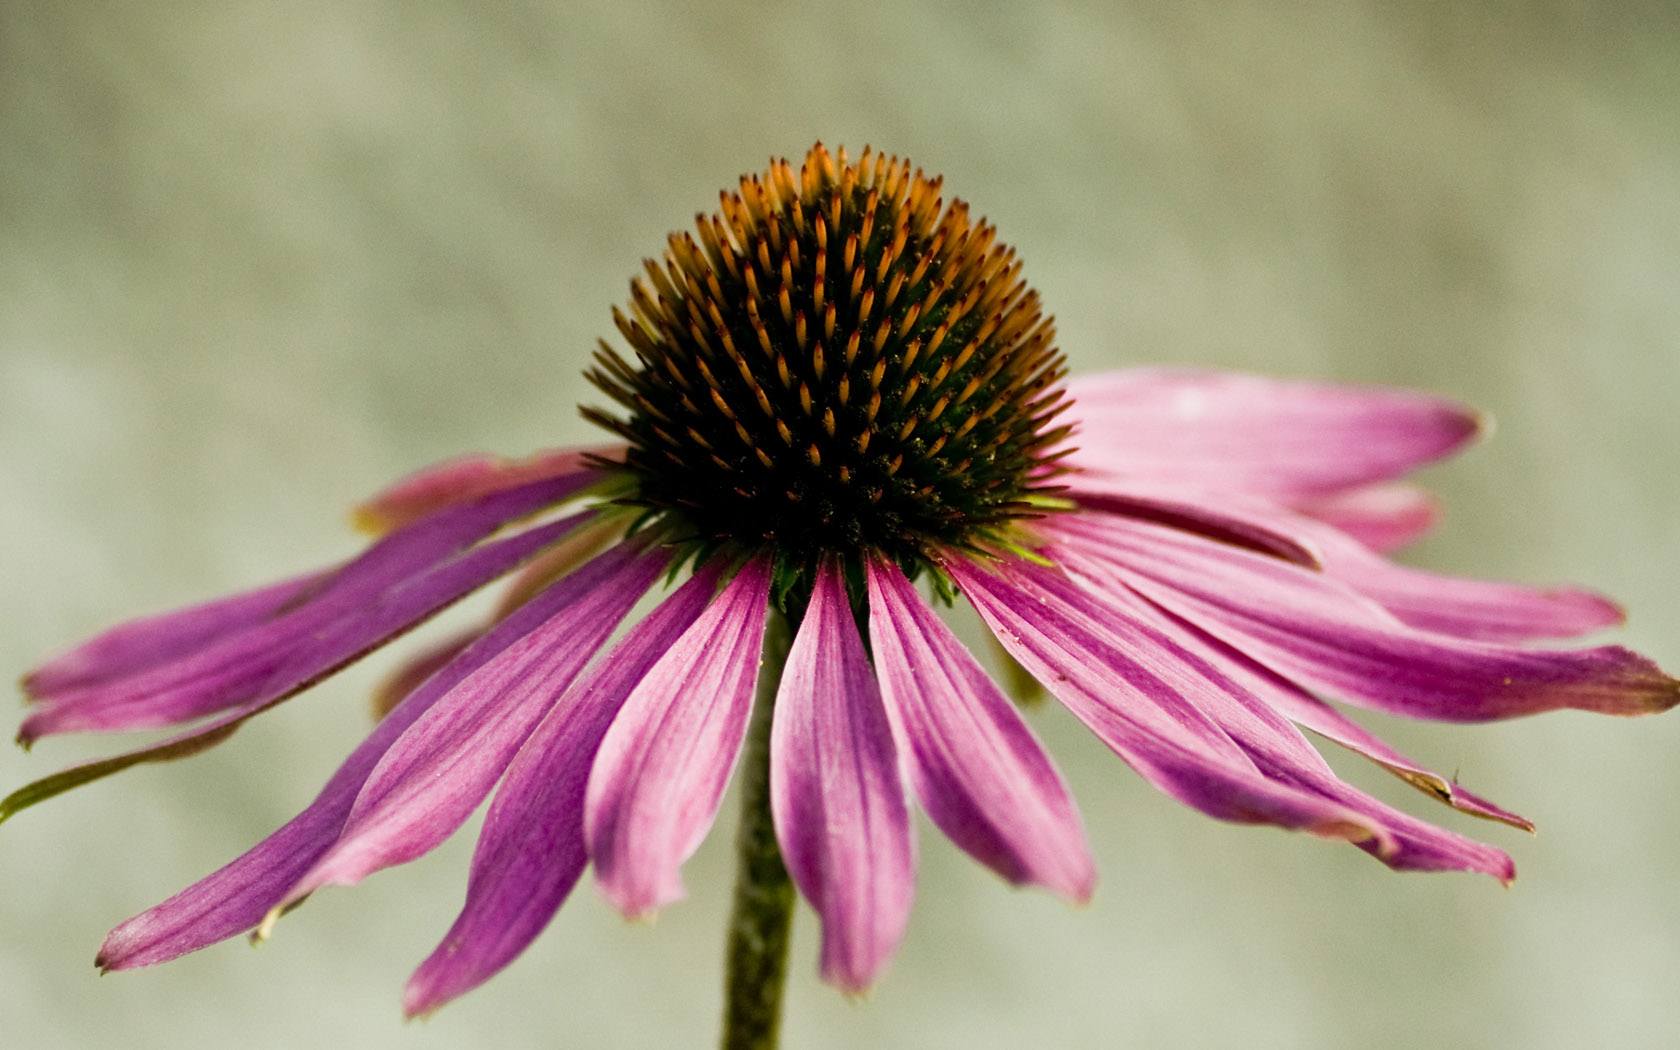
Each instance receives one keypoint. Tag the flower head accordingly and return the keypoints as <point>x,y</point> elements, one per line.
<point>841,387</point>
<point>838,365</point>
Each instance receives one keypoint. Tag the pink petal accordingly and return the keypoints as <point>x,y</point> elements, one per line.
<point>1249,434</point>
<point>1309,712</point>
<point>402,608</point>
<point>664,764</point>
<point>1090,650</point>
<point>531,851</point>
<point>470,477</point>
<point>235,898</point>
<point>312,633</point>
<point>978,770</point>
<point>1476,609</point>
<point>1485,610</point>
<point>1316,631</point>
<point>437,772</point>
<point>1384,516</point>
<point>1276,694</point>
<point>841,815</point>
<point>143,644</point>
<point>1115,692</point>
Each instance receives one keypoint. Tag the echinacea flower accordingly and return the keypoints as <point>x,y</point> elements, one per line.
<point>841,391</point>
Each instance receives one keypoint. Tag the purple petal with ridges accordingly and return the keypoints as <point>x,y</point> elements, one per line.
<point>1384,516</point>
<point>1270,689</point>
<point>1466,608</point>
<point>1482,610</point>
<point>1310,712</point>
<point>402,609</point>
<point>839,803</point>
<point>663,766</point>
<point>142,644</point>
<point>978,770</point>
<point>1070,636</point>
<point>437,773</point>
<point>1421,846</point>
<point>531,851</point>
<point>303,639</point>
<point>1066,650</point>
<point>1249,434</point>
<point>1320,633</point>
<point>234,899</point>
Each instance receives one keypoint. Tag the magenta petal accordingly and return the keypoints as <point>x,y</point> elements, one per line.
<point>1384,516</point>
<point>664,764</point>
<point>1112,693</point>
<point>235,898</point>
<point>402,608</point>
<point>1087,649</point>
<point>1249,434</point>
<point>1482,610</point>
<point>437,773</point>
<point>302,641</point>
<point>1417,845</point>
<point>841,815</point>
<point>1271,698</point>
<point>978,770</point>
<point>1309,712</point>
<point>531,851</point>
<point>1320,633</point>
<point>142,644</point>
<point>1476,609</point>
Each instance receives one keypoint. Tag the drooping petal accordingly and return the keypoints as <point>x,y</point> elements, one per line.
<point>304,637</point>
<point>401,609</point>
<point>142,644</point>
<point>1322,634</point>
<point>1309,712</point>
<point>1484,610</point>
<point>1113,693</point>
<point>235,898</point>
<point>1276,693</point>
<point>839,803</point>
<point>1090,651</point>
<point>1476,609</point>
<point>1384,516</point>
<point>434,776</point>
<point>1420,845</point>
<point>663,766</point>
<point>531,851</point>
<point>1248,434</point>
<point>977,769</point>
<point>470,477</point>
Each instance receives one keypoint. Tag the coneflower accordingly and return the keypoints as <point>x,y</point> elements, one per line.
<point>841,394</point>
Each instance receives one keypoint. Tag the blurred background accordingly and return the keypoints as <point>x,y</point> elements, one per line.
<point>256,260</point>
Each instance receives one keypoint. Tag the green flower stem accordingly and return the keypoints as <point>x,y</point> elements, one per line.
<point>762,918</point>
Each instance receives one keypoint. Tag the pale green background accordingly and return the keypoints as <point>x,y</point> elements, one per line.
<point>257,259</point>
